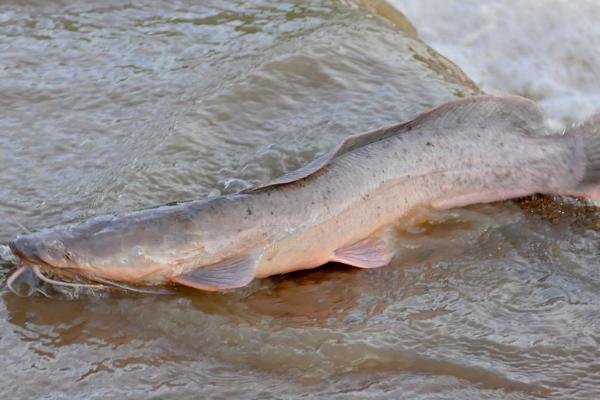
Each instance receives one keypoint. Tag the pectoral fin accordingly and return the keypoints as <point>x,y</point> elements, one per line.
<point>371,252</point>
<point>227,274</point>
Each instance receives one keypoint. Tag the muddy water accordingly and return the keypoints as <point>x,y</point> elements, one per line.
<point>112,106</point>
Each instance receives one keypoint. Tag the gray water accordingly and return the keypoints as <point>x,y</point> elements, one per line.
<point>114,106</point>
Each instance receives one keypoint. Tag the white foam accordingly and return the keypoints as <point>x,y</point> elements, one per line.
<point>545,50</point>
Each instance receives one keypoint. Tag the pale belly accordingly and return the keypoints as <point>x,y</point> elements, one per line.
<point>314,245</point>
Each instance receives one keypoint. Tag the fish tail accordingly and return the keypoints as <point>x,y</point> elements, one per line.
<point>588,136</point>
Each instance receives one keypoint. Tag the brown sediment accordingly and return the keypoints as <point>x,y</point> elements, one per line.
<point>557,209</point>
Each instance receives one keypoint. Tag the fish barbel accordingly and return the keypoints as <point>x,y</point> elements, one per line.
<point>336,208</point>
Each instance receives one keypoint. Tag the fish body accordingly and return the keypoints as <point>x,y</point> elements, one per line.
<point>336,208</point>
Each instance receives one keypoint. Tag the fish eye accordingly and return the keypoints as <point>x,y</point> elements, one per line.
<point>68,255</point>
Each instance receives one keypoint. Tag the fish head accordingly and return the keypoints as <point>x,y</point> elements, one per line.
<point>133,249</point>
<point>40,255</point>
<point>51,251</point>
<point>40,251</point>
<point>148,247</point>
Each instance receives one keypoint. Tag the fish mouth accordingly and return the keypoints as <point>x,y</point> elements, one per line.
<point>35,277</point>
<point>35,273</point>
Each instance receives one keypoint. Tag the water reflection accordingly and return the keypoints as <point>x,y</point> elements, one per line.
<point>117,106</point>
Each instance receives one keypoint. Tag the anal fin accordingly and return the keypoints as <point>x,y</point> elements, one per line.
<point>371,252</point>
<point>227,274</point>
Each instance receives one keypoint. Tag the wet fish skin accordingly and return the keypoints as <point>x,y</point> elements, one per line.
<point>338,207</point>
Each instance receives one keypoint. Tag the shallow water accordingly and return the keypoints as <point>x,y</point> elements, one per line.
<point>121,106</point>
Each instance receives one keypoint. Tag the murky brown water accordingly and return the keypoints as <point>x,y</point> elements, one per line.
<point>112,106</point>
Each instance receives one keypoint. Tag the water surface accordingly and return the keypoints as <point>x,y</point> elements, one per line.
<point>545,50</point>
<point>113,106</point>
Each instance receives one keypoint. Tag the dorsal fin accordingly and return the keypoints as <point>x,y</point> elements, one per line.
<point>508,112</point>
<point>490,112</point>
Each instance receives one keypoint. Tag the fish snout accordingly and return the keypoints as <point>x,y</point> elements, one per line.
<point>25,248</point>
<point>39,251</point>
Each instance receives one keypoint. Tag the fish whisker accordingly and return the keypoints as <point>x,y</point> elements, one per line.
<point>17,223</point>
<point>51,281</point>
<point>130,288</point>
<point>11,279</point>
<point>104,284</point>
